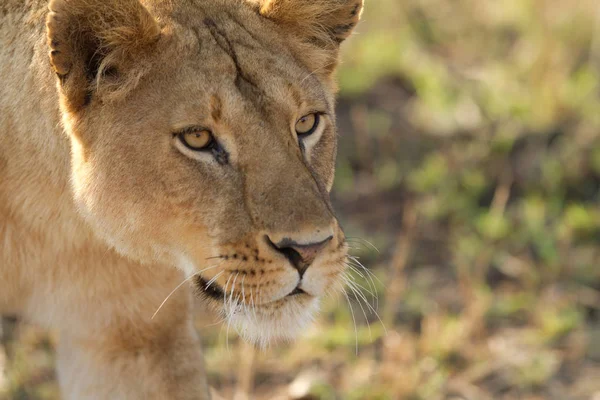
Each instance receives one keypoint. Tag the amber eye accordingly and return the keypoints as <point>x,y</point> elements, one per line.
<point>307,124</point>
<point>197,140</point>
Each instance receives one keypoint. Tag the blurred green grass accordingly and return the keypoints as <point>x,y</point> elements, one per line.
<point>470,157</point>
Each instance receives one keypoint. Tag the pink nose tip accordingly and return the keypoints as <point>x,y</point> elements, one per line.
<point>301,256</point>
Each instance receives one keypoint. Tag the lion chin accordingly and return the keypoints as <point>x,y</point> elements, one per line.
<point>269,324</point>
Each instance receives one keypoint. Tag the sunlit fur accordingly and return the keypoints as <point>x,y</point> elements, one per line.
<point>103,214</point>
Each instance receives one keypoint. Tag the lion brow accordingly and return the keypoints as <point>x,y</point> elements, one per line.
<point>242,81</point>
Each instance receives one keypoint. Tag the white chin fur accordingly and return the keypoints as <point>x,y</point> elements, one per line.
<point>263,327</point>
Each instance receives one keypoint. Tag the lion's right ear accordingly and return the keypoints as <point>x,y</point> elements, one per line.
<point>92,39</point>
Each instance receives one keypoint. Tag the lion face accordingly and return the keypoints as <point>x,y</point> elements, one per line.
<point>204,137</point>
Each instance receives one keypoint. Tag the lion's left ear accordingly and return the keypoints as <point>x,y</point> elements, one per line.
<point>328,22</point>
<point>321,23</point>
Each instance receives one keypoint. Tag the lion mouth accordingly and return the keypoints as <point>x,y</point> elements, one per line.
<point>295,292</point>
<point>211,290</point>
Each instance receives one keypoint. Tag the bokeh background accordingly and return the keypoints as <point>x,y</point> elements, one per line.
<point>468,182</point>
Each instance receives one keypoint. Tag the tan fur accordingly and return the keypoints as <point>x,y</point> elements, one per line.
<point>103,213</point>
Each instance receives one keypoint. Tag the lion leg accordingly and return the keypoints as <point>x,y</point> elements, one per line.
<point>111,346</point>
<point>104,366</point>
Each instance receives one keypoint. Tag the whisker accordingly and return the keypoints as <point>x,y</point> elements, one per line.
<point>234,309</point>
<point>214,323</point>
<point>353,319</point>
<point>213,279</point>
<point>227,313</point>
<point>352,247</point>
<point>355,285</point>
<point>370,307</point>
<point>359,264</point>
<point>361,240</point>
<point>180,285</point>
<point>370,282</point>
<point>371,286</point>
<point>362,308</point>
<point>349,280</point>
<point>253,306</point>
<point>232,289</point>
<point>227,336</point>
<point>244,302</point>
<point>225,296</point>
<point>243,292</point>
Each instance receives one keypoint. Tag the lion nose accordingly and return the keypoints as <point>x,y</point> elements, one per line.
<point>300,255</point>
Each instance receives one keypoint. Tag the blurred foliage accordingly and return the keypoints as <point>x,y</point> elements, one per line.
<point>470,157</point>
<point>486,115</point>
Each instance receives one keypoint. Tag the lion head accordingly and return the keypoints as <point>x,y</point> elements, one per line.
<point>203,136</point>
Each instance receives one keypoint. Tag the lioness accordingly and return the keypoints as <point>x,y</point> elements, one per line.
<point>148,143</point>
